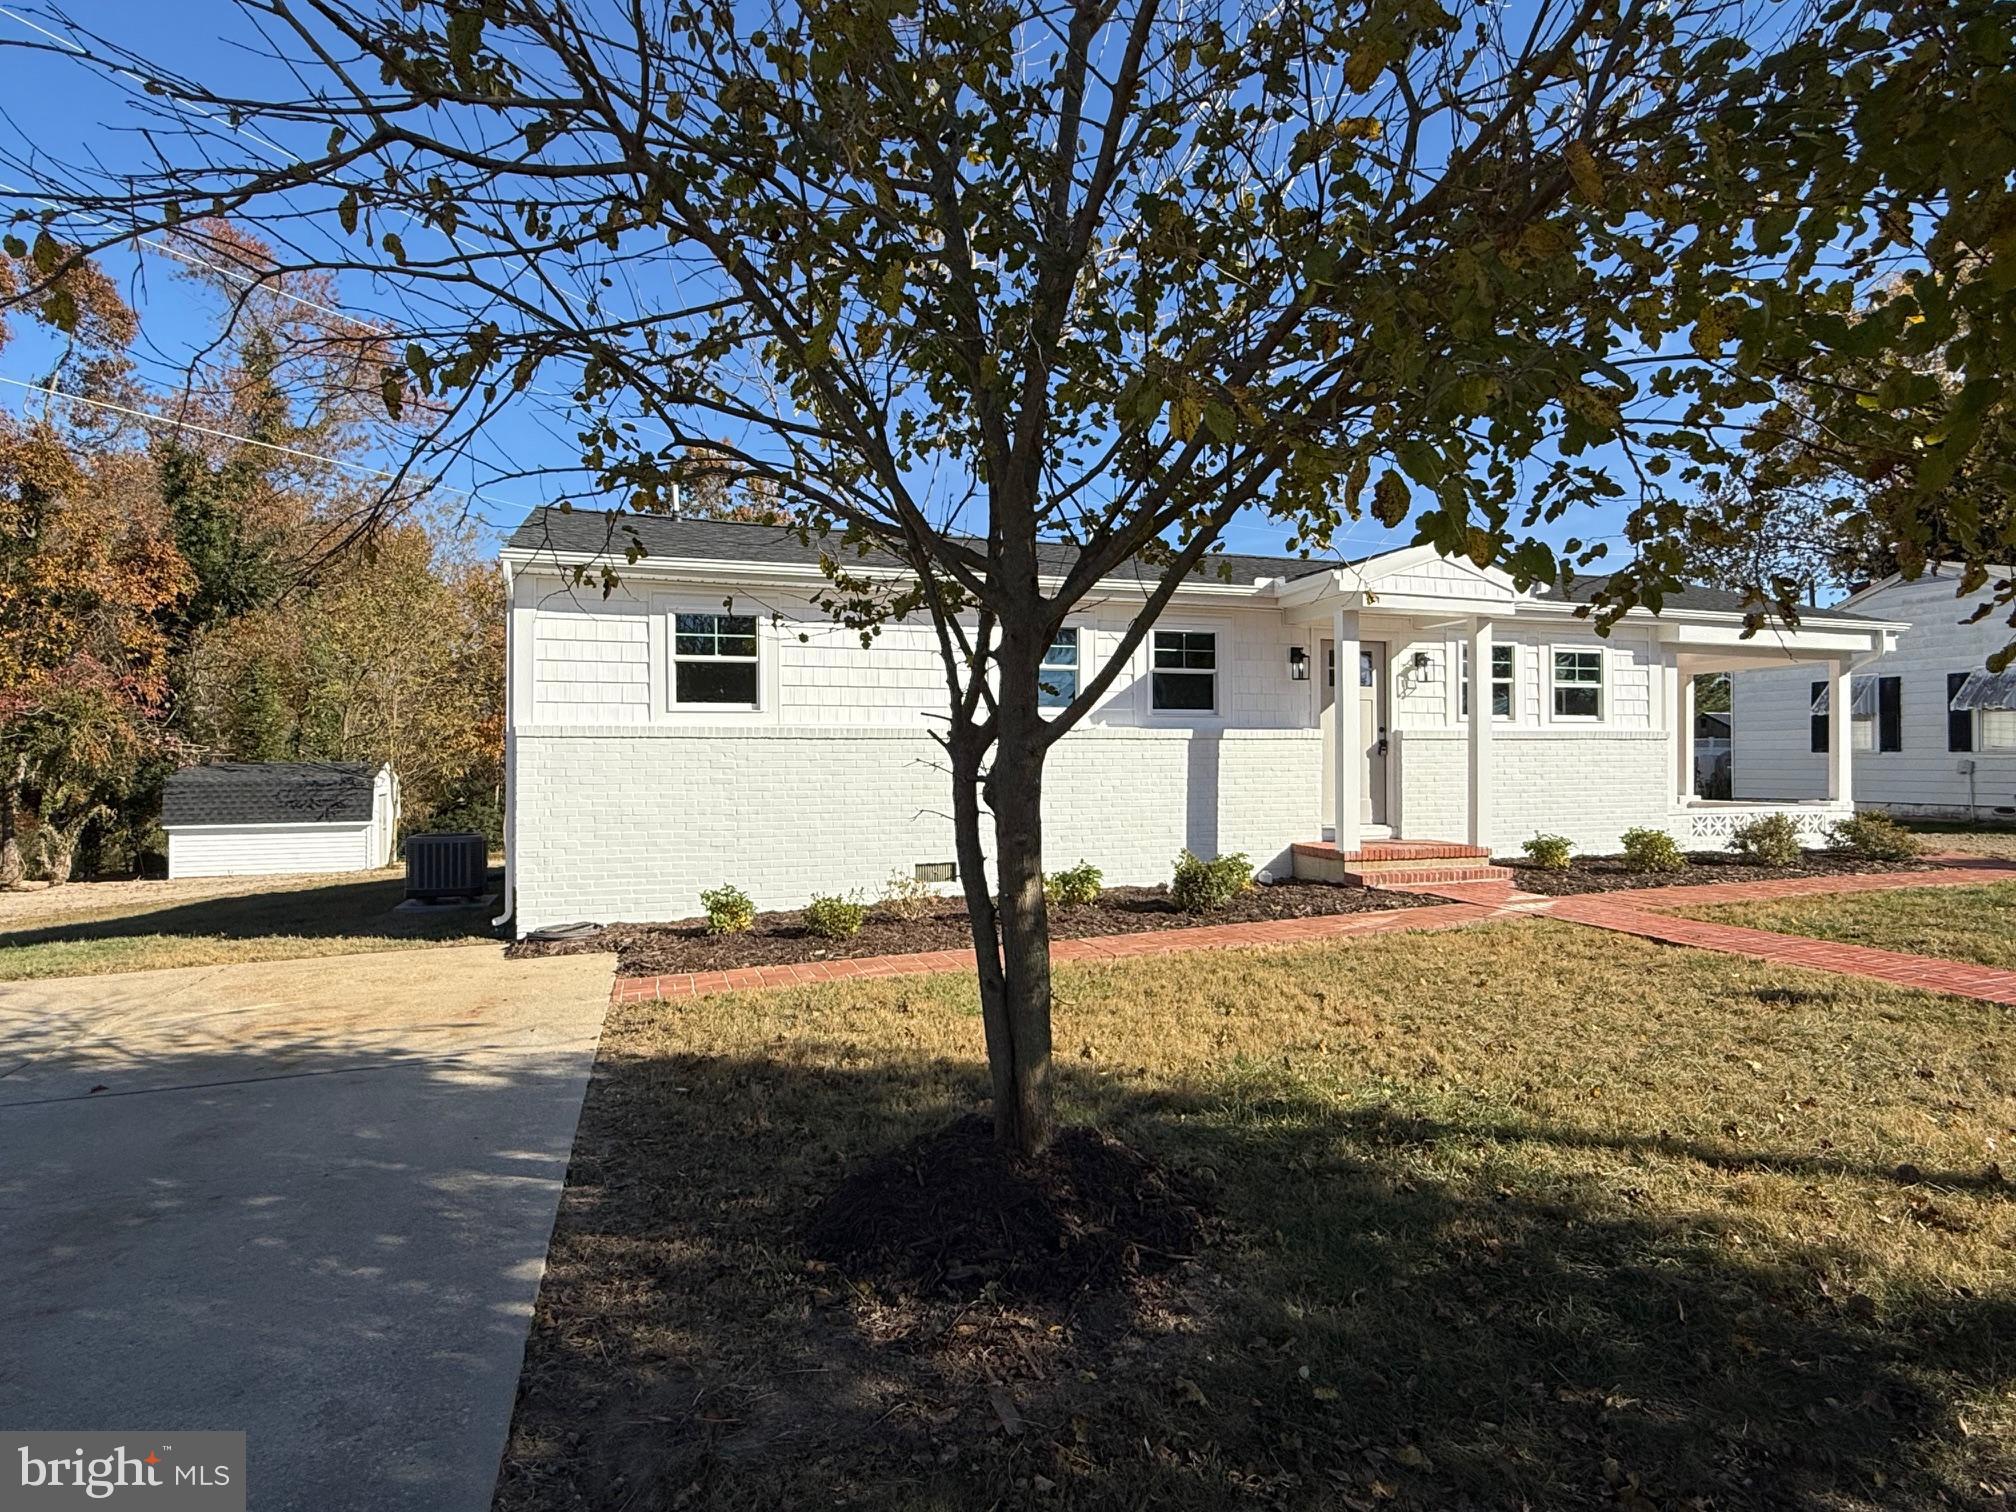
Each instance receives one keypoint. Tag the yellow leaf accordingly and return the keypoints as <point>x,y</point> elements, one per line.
<point>1366,63</point>
<point>1587,176</point>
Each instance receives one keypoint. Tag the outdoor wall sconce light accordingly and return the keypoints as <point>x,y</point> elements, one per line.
<point>1420,661</point>
<point>1298,664</point>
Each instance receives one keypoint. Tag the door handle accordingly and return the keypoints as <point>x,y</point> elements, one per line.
<point>1384,743</point>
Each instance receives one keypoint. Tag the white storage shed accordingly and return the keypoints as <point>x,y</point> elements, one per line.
<point>241,818</point>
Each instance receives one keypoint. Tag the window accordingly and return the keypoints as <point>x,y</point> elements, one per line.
<point>1578,684</point>
<point>1998,729</point>
<point>1057,681</point>
<point>1981,711</point>
<point>714,659</point>
<point>1875,714</point>
<point>1501,680</point>
<point>1184,674</point>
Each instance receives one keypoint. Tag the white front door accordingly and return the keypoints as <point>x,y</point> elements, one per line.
<point>1371,728</point>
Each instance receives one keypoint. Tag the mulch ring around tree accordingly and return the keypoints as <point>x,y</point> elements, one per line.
<point>781,939</point>
<point>1590,874</point>
<point>951,1215</point>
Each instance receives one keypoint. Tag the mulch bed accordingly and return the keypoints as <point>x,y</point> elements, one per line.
<point>1590,874</point>
<point>951,1213</point>
<point>781,939</point>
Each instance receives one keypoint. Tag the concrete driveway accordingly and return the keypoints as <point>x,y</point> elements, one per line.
<point>310,1200</point>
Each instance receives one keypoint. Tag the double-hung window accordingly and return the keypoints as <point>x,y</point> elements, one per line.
<point>1057,679</point>
<point>1578,684</point>
<point>714,660</point>
<point>1502,676</point>
<point>1183,676</point>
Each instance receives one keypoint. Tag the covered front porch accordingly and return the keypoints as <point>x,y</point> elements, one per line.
<point>1581,735</point>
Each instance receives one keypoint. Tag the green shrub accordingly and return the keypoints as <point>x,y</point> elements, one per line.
<point>1073,886</point>
<point>1770,841</point>
<point>729,910</point>
<point>1652,850</point>
<point>1201,886</point>
<point>1876,837</point>
<point>1549,852</point>
<point>835,918</point>
<point>905,896</point>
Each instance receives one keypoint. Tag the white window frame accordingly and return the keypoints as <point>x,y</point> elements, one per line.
<point>673,658</point>
<point>1220,642</point>
<point>1080,637</point>
<point>1510,681</point>
<point>1981,741</point>
<point>1601,685</point>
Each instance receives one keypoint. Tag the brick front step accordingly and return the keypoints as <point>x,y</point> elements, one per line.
<point>1377,851</point>
<point>1418,876</point>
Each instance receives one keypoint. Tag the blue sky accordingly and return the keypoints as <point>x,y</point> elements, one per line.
<point>72,113</point>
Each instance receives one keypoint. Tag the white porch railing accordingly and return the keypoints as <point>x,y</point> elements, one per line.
<point>1703,822</point>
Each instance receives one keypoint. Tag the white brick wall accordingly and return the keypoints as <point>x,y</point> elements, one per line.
<point>1771,755</point>
<point>631,824</point>
<point>1589,786</point>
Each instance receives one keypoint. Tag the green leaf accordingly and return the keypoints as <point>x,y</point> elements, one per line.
<point>1391,500</point>
<point>346,213</point>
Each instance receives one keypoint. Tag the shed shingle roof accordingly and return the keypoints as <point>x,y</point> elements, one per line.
<point>269,792</point>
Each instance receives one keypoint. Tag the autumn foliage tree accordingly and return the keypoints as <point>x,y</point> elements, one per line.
<point>963,278</point>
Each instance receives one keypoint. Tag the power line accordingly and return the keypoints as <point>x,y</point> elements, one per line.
<point>149,418</point>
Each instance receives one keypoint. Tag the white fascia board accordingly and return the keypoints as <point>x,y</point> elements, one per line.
<point>793,574</point>
<point>352,825</point>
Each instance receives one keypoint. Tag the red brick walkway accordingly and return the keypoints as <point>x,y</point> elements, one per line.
<point>1643,912</point>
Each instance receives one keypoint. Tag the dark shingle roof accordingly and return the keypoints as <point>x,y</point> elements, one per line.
<point>592,531</point>
<point>270,792</point>
<point>1713,601</point>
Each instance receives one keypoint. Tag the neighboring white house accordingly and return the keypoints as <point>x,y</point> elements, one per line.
<point>241,818</point>
<point>1933,732</point>
<point>705,722</point>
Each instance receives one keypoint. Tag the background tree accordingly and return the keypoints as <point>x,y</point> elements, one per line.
<point>966,277</point>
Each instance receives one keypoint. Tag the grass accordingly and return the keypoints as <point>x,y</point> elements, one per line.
<point>1961,835</point>
<point>1953,923</point>
<point>1516,1216</point>
<point>298,917</point>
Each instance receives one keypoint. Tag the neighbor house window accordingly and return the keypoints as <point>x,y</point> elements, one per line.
<point>714,659</point>
<point>1501,680</point>
<point>1578,684</point>
<point>1057,681</point>
<point>1184,676</point>
<point>1998,729</point>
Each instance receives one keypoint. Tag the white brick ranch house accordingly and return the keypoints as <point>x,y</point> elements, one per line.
<point>705,722</point>
<point>1932,731</point>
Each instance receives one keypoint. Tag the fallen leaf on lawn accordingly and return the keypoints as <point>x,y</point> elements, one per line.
<point>1004,1409</point>
<point>1412,1457</point>
<point>1188,1390</point>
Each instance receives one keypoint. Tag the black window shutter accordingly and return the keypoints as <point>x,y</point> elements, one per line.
<point>1889,713</point>
<point>1819,721</point>
<point>1959,722</point>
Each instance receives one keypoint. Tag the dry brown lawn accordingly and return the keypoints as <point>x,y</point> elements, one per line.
<point>1522,1216</point>
<point>1975,924</point>
<point>1982,841</point>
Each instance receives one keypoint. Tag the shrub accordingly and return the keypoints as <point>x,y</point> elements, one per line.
<point>1770,841</point>
<point>906,897</point>
<point>1876,837</point>
<point>835,918</point>
<point>729,910</point>
<point>1549,852</point>
<point>1074,885</point>
<point>1651,850</point>
<point>1200,886</point>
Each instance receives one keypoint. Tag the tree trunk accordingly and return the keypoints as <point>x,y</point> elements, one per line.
<point>1018,1032</point>
<point>11,868</point>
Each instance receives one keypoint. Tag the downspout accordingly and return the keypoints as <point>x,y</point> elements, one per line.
<point>510,763</point>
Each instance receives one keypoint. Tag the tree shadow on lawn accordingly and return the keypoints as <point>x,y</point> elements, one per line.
<point>365,909</point>
<point>1404,1308</point>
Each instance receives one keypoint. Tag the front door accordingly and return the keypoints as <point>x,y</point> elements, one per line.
<point>1371,728</point>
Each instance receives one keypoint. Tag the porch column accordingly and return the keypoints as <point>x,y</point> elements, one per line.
<point>1480,732</point>
<point>1841,733</point>
<point>1347,749</point>
<point>1684,712</point>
